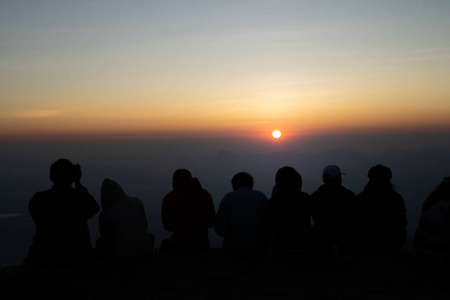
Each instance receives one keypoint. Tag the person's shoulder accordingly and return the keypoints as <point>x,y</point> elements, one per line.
<point>230,195</point>
<point>304,195</point>
<point>347,191</point>
<point>398,197</point>
<point>316,193</point>
<point>322,191</point>
<point>322,188</point>
<point>204,192</point>
<point>259,194</point>
<point>362,194</point>
<point>41,195</point>
<point>170,195</point>
<point>134,201</point>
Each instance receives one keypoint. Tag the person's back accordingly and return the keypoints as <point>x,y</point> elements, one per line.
<point>333,210</point>
<point>381,212</point>
<point>60,215</point>
<point>432,236</point>
<point>122,225</point>
<point>289,211</point>
<point>188,212</point>
<point>241,216</point>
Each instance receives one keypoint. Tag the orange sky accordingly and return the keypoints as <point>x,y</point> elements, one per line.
<point>243,68</point>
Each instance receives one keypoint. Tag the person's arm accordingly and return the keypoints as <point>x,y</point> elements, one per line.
<point>91,207</point>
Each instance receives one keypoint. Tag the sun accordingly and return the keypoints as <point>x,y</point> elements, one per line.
<point>276,134</point>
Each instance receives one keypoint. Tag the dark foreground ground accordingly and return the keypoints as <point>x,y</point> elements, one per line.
<point>219,276</point>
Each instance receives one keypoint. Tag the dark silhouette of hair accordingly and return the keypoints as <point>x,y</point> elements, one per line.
<point>288,180</point>
<point>181,174</point>
<point>62,172</point>
<point>242,179</point>
<point>379,178</point>
<point>440,192</point>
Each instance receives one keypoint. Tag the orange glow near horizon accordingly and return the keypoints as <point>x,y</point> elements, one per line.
<point>322,122</point>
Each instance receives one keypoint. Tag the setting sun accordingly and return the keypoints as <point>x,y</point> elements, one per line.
<point>276,134</point>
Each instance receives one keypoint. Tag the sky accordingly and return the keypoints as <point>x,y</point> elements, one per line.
<point>223,68</point>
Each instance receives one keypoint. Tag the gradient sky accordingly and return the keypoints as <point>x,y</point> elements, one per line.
<point>223,67</point>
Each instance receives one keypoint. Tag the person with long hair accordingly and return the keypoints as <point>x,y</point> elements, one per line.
<point>289,212</point>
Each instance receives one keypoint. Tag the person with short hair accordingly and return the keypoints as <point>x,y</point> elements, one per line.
<point>60,215</point>
<point>240,219</point>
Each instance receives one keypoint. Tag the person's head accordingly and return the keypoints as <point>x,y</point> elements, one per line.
<point>380,177</point>
<point>332,174</point>
<point>242,179</point>
<point>180,174</point>
<point>288,179</point>
<point>111,192</point>
<point>62,172</point>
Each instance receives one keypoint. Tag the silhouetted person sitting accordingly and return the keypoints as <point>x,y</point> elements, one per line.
<point>60,215</point>
<point>187,212</point>
<point>432,236</point>
<point>333,212</point>
<point>123,226</point>
<point>240,218</point>
<point>381,212</point>
<point>289,212</point>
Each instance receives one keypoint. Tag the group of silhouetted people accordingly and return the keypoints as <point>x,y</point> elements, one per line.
<point>329,221</point>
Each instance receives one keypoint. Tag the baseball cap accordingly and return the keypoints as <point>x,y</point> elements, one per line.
<point>331,171</point>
